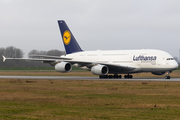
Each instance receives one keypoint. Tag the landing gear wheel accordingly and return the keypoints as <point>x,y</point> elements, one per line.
<point>128,76</point>
<point>125,76</point>
<point>106,76</point>
<point>103,76</point>
<point>100,76</point>
<point>110,76</point>
<point>115,76</point>
<point>167,76</point>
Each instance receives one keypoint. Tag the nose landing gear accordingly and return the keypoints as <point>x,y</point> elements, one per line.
<point>167,75</point>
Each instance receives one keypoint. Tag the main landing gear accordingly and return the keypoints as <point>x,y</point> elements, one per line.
<point>128,76</point>
<point>115,76</point>
<point>167,76</point>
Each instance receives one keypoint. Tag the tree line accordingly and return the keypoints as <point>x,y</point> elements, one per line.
<point>13,52</point>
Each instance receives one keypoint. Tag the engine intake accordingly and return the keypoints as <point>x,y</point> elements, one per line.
<point>100,70</point>
<point>63,67</point>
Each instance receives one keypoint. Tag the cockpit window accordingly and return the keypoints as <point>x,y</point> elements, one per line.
<point>170,59</point>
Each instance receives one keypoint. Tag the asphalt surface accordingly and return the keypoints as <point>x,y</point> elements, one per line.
<point>86,78</point>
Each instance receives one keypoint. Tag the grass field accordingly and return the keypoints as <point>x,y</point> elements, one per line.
<point>87,100</point>
<point>83,100</point>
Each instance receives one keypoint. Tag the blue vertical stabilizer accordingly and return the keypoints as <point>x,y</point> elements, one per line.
<point>70,43</point>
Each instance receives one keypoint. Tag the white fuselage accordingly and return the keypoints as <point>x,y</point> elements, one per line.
<point>145,60</point>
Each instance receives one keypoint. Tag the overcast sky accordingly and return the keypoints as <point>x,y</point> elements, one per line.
<point>96,24</point>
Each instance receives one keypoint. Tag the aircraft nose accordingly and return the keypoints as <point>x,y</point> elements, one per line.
<point>175,65</point>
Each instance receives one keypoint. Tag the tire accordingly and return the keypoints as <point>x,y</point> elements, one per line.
<point>130,76</point>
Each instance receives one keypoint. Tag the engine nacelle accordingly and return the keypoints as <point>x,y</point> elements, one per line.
<point>63,67</point>
<point>158,73</point>
<point>100,70</point>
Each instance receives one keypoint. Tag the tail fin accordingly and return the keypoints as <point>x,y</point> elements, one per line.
<point>69,41</point>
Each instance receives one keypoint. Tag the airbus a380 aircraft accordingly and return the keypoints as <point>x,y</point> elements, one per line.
<point>104,62</point>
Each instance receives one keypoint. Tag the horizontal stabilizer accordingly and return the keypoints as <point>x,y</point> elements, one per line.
<point>4,58</point>
<point>29,59</point>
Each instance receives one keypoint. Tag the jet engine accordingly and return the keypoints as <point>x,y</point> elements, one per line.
<point>63,67</point>
<point>100,70</point>
<point>158,73</point>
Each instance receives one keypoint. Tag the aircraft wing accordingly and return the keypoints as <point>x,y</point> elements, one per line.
<point>112,67</point>
<point>52,57</point>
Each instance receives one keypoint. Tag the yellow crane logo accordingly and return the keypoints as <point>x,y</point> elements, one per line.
<point>66,37</point>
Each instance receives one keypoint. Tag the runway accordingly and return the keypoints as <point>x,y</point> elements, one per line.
<point>87,78</point>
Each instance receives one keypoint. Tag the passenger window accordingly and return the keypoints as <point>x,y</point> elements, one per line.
<point>170,59</point>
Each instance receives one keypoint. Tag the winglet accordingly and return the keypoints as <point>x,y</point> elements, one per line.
<point>4,58</point>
